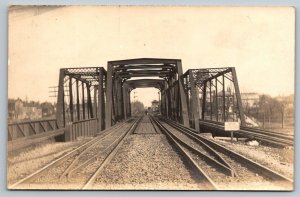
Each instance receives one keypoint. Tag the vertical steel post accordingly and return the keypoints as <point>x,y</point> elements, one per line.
<point>129,103</point>
<point>204,100</point>
<point>77,102</point>
<point>177,99</point>
<point>184,112</point>
<point>103,95</point>
<point>238,96</point>
<point>124,93</point>
<point>100,100</point>
<point>224,116</point>
<point>71,99</point>
<point>115,99</point>
<point>83,102</point>
<point>159,102</point>
<point>217,105</point>
<point>210,100</point>
<point>120,100</point>
<point>95,107</point>
<point>173,96</point>
<point>90,107</point>
<point>194,102</point>
<point>169,100</point>
<point>109,87</point>
<point>166,99</point>
<point>60,108</point>
<point>162,100</point>
<point>198,101</point>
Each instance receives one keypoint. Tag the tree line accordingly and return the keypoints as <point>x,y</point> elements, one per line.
<point>270,111</point>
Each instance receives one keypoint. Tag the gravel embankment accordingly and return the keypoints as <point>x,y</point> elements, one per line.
<point>146,162</point>
<point>278,159</point>
<point>23,163</point>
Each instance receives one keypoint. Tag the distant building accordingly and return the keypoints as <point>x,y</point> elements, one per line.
<point>15,107</point>
<point>249,99</point>
<point>20,110</point>
<point>31,113</point>
<point>155,105</point>
<point>47,109</point>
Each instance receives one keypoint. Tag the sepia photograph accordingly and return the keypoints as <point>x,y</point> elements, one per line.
<point>151,98</point>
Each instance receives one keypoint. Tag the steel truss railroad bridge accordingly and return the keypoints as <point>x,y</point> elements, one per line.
<point>91,99</point>
<point>180,92</point>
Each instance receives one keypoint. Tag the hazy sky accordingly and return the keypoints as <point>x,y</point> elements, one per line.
<point>258,41</point>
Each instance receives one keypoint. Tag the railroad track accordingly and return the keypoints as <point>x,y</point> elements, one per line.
<point>264,136</point>
<point>82,167</point>
<point>200,181</point>
<point>182,147</point>
<point>209,162</point>
<point>89,184</point>
<point>234,164</point>
<point>146,126</point>
<point>79,167</point>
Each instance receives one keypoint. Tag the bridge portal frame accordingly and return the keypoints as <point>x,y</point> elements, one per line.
<point>121,70</point>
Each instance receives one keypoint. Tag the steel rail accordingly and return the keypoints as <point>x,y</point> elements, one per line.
<point>153,124</point>
<point>208,183</point>
<point>257,130</point>
<point>269,138</point>
<point>219,164</point>
<point>109,157</point>
<point>275,133</point>
<point>87,149</point>
<point>70,172</point>
<point>248,163</point>
<point>62,158</point>
<point>210,150</point>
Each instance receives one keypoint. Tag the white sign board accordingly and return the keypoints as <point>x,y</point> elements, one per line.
<point>232,126</point>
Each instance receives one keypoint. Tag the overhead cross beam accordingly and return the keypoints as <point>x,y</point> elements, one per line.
<point>143,83</point>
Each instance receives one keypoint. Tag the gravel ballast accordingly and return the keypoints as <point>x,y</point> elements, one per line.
<point>278,159</point>
<point>146,162</point>
<point>31,159</point>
